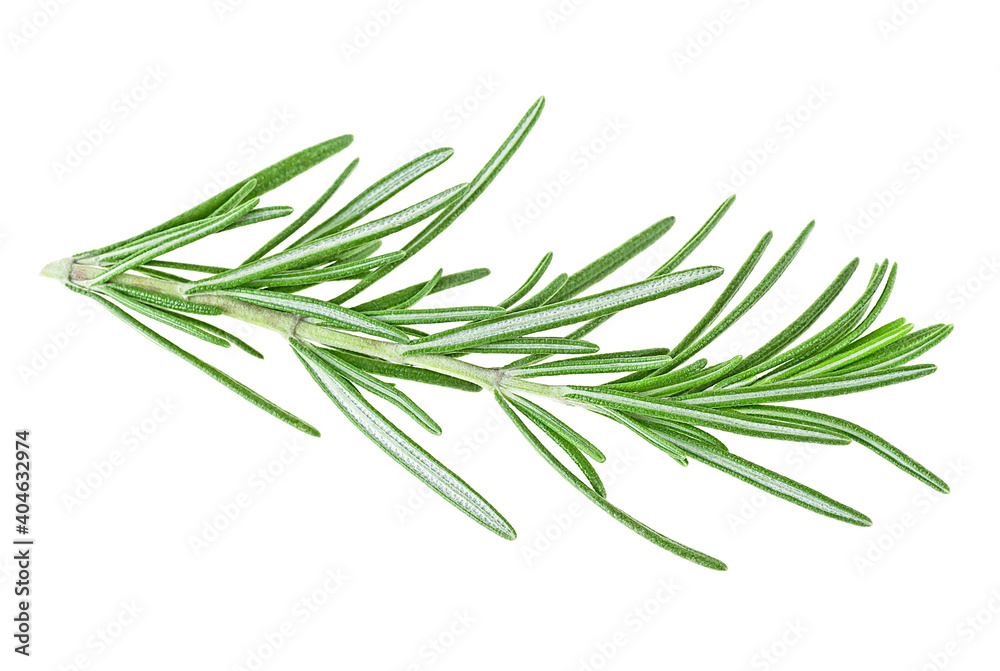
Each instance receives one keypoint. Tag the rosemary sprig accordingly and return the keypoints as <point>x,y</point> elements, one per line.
<point>664,395</point>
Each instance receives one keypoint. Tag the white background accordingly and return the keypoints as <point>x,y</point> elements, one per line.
<point>870,87</point>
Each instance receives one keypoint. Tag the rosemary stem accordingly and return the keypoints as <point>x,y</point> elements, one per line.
<point>288,324</point>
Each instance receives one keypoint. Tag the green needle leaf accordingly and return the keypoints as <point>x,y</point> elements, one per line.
<point>587,277</point>
<point>666,268</point>
<point>339,271</point>
<point>213,372</point>
<point>381,389</point>
<point>420,293</point>
<point>446,282</point>
<point>688,372</point>
<point>208,227</point>
<point>727,295</point>
<point>534,346</point>
<point>699,237</point>
<point>561,314</point>
<point>624,518</point>
<point>163,301</point>
<point>598,363</point>
<point>401,372</point>
<point>537,414</point>
<point>321,250</point>
<point>435,316</point>
<point>400,447</point>
<point>755,295</point>
<point>576,334</point>
<point>471,193</point>
<point>873,314</point>
<point>851,431</point>
<point>865,346</point>
<point>905,349</point>
<point>790,333</point>
<point>819,341</point>
<point>267,179</point>
<point>769,481</point>
<point>529,284</point>
<point>234,200</point>
<point>681,411</point>
<point>705,378</point>
<point>180,322</point>
<point>795,390</point>
<point>360,252</point>
<point>643,431</point>
<point>127,252</point>
<point>544,295</point>
<point>285,233</point>
<point>193,267</point>
<point>377,194</point>
<point>563,440</point>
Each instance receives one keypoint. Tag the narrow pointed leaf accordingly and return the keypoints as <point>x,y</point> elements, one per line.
<point>669,266</point>
<point>338,271</point>
<point>371,383</point>
<point>677,259</point>
<point>598,363</point>
<point>817,342</point>
<point>446,282</point>
<point>377,194</point>
<point>401,372</point>
<point>596,271</point>
<point>238,197</point>
<point>323,249</point>
<point>678,411</point>
<point>163,301</point>
<point>755,295</point>
<point>624,518</point>
<point>213,372</point>
<point>643,431</point>
<point>571,448</point>
<point>577,333</point>
<point>890,283</point>
<point>475,189</point>
<point>561,314</point>
<point>795,390</point>
<point>401,447</point>
<point>127,252</point>
<point>420,293</point>
<point>544,295</point>
<point>267,179</point>
<point>435,316</point>
<point>304,218</point>
<point>535,345</point>
<point>727,295</point>
<point>193,267</point>
<point>769,481</point>
<point>865,346</point>
<point>795,369</point>
<point>536,412</point>
<point>177,321</point>
<point>905,349</point>
<point>705,379</point>
<point>858,434</point>
<point>677,375</point>
<point>529,283</point>
<point>801,323</point>
<point>210,226</point>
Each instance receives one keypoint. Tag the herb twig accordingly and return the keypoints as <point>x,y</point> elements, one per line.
<point>664,395</point>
